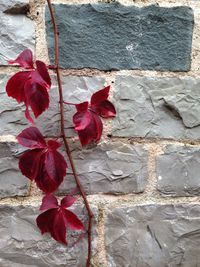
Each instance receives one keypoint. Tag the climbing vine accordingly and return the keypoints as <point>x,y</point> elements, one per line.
<point>42,162</point>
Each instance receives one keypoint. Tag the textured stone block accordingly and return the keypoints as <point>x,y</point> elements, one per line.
<point>157,107</point>
<point>114,168</point>
<point>153,236</point>
<point>76,89</point>
<point>17,31</point>
<point>178,171</point>
<point>23,245</point>
<point>113,36</point>
<point>12,182</point>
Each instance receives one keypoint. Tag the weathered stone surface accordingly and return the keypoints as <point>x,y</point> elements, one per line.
<point>178,171</point>
<point>76,89</point>
<point>113,36</point>
<point>114,168</point>
<point>23,245</point>
<point>157,107</point>
<point>12,182</point>
<point>17,30</point>
<point>153,236</point>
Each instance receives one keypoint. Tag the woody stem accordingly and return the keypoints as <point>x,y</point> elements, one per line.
<point>57,70</point>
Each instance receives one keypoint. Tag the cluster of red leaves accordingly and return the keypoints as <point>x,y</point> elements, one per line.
<point>42,163</point>
<point>30,86</point>
<point>57,218</point>
<point>87,121</point>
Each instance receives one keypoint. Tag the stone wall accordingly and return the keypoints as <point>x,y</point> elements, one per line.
<point>143,179</point>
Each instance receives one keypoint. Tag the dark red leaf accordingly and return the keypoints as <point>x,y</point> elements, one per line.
<point>43,163</point>
<point>43,71</point>
<point>53,144</point>
<point>25,59</point>
<point>31,137</point>
<point>81,120</point>
<point>49,202</point>
<point>82,107</point>
<point>37,97</point>
<point>30,87</point>
<point>93,132</point>
<point>15,85</point>
<point>56,219</point>
<point>104,109</point>
<point>29,163</point>
<point>73,221</point>
<point>100,96</point>
<point>37,78</point>
<point>68,201</point>
<point>45,220</point>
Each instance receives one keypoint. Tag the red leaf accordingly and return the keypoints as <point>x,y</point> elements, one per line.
<point>105,109</point>
<point>30,87</point>
<point>37,97</point>
<point>25,59</point>
<point>55,220</point>
<point>53,144</point>
<point>42,70</point>
<point>29,163</point>
<point>81,120</point>
<point>15,85</point>
<point>43,163</point>
<point>86,120</point>
<point>31,137</point>
<point>93,132</point>
<point>100,96</point>
<point>68,201</point>
<point>49,202</point>
<point>73,221</point>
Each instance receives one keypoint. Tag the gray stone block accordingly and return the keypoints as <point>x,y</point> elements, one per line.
<point>113,36</point>
<point>12,182</point>
<point>157,107</point>
<point>23,245</point>
<point>75,89</point>
<point>153,236</point>
<point>114,168</point>
<point>178,171</point>
<point>17,30</point>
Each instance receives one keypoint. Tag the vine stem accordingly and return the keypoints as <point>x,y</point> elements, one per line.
<point>89,211</point>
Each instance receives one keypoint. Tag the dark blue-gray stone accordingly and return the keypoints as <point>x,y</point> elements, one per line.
<point>113,36</point>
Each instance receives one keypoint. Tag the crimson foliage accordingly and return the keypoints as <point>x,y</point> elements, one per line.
<point>57,218</point>
<point>42,162</point>
<point>87,121</point>
<point>30,86</point>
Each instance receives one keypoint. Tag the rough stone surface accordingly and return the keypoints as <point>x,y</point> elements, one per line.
<point>114,168</point>
<point>12,182</point>
<point>76,89</point>
<point>157,107</point>
<point>17,31</point>
<point>153,236</point>
<point>22,244</point>
<point>113,36</point>
<point>178,171</point>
